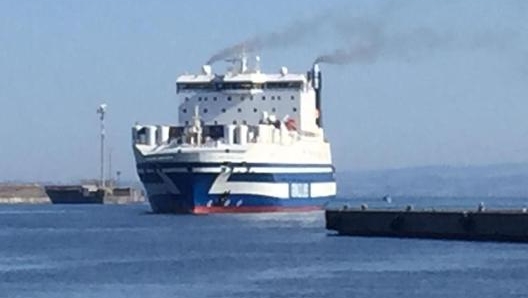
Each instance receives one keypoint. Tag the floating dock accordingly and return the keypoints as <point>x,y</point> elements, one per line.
<point>477,225</point>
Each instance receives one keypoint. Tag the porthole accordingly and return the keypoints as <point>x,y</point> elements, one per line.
<point>295,109</point>
<point>244,122</point>
<point>186,122</point>
<point>205,110</point>
<point>205,98</point>
<point>251,97</point>
<point>273,109</point>
<point>215,122</point>
<point>229,98</point>
<point>223,110</point>
<point>263,97</point>
<point>255,110</point>
<point>186,99</point>
<point>215,98</point>
<point>273,98</point>
<point>199,98</point>
<point>278,97</point>
<point>239,110</point>
<point>184,111</point>
<point>292,97</point>
<point>242,98</point>
<point>234,122</point>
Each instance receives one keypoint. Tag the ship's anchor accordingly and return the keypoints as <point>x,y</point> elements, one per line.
<point>223,198</point>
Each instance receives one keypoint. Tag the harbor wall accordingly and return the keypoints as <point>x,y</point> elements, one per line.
<point>124,196</point>
<point>23,194</point>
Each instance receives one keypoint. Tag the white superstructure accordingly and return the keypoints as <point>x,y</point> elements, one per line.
<point>258,135</point>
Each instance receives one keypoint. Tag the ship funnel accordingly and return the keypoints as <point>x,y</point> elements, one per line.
<point>206,69</point>
<point>243,64</point>
<point>317,79</point>
<point>257,64</point>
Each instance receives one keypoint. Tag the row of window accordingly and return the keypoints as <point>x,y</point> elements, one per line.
<point>205,110</point>
<point>217,86</point>
<point>216,122</point>
<point>242,98</point>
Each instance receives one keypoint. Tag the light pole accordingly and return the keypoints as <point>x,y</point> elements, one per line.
<point>102,111</point>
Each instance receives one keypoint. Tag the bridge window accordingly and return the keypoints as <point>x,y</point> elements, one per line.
<point>284,85</point>
<point>237,86</point>
<point>248,85</point>
<point>193,86</point>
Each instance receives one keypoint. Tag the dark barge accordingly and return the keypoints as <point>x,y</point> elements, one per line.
<point>477,225</point>
<point>92,194</point>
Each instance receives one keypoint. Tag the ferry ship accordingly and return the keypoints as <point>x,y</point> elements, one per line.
<point>246,141</point>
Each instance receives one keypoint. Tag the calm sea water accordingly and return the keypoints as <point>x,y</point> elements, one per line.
<point>123,251</point>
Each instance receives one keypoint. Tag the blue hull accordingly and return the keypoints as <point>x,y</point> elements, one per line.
<point>175,204</point>
<point>188,191</point>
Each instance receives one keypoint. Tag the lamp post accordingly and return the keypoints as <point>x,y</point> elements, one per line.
<point>102,111</point>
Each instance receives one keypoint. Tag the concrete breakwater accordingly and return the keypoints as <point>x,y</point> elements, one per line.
<point>23,194</point>
<point>478,225</point>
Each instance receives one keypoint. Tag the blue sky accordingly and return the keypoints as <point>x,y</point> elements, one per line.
<point>459,99</point>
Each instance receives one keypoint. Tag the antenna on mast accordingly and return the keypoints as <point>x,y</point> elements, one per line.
<point>102,112</point>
